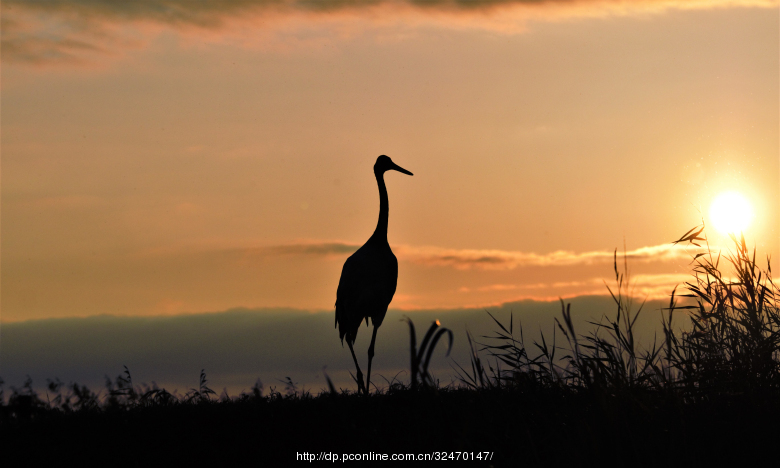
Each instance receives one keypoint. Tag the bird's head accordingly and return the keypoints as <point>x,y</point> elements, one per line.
<point>384,164</point>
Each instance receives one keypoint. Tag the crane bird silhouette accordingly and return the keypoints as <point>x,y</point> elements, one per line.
<point>368,278</point>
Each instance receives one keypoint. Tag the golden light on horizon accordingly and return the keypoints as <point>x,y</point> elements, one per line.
<point>731,213</point>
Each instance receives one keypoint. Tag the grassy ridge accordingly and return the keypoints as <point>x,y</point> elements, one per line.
<point>732,347</point>
<point>536,427</point>
<point>707,395</point>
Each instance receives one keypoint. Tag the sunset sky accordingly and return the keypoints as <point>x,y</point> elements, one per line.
<point>168,157</point>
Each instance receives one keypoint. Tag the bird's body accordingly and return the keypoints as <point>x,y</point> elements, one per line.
<point>368,278</point>
<point>366,288</point>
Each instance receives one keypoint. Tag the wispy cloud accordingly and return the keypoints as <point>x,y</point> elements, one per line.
<point>316,249</point>
<point>658,286</point>
<point>460,259</point>
<point>243,252</point>
<point>650,286</point>
<point>84,31</point>
<point>532,286</point>
<point>507,260</point>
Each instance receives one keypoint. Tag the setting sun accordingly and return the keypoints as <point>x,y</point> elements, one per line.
<point>730,212</point>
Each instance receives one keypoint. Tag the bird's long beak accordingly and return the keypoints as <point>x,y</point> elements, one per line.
<point>398,168</point>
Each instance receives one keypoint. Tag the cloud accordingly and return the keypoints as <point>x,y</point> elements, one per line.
<point>311,249</point>
<point>318,249</point>
<point>644,286</point>
<point>507,260</point>
<point>484,259</point>
<point>238,346</point>
<point>34,35</point>
<point>461,259</point>
<point>534,286</point>
<point>658,286</point>
<point>86,31</point>
<point>251,250</point>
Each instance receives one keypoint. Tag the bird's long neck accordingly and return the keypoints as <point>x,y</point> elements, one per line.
<point>380,233</point>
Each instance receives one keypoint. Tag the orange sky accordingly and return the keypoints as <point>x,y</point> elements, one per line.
<point>161,159</point>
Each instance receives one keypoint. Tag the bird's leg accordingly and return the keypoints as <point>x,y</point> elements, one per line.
<point>361,387</point>
<point>370,357</point>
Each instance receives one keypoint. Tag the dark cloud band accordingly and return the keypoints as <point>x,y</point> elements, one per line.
<point>75,31</point>
<point>238,346</point>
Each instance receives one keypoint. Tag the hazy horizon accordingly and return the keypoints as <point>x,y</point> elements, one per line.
<point>238,347</point>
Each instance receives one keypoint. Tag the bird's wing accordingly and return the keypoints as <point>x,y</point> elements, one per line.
<point>355,278</point>
<point>368,280</point>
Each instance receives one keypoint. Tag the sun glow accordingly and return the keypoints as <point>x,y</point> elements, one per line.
<point>731,213</point>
